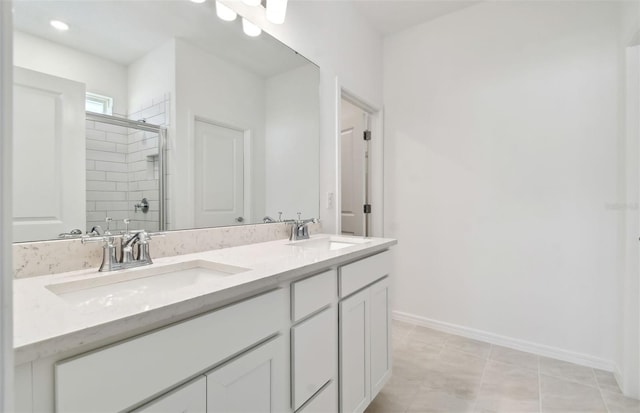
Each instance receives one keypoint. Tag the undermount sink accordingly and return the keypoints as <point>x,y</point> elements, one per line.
<point>329,243</point>
<point>135,284</point>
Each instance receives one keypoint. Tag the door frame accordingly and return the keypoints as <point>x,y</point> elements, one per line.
<point>247,162</point>
<point>376,160</point>
<point>6,220</point>
<point>628,372</point>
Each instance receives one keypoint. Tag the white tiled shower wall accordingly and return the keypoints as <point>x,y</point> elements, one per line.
<point>123,168</point>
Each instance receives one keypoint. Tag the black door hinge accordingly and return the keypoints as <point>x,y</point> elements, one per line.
<point>367,208</point>
<point>367,135</point>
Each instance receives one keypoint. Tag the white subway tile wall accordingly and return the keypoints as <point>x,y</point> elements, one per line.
<point>123,168</point>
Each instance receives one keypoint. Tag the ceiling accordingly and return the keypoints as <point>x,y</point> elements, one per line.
<point>392,16</point>
<point>124,31</point>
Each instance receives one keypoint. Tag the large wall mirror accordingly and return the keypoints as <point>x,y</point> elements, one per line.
<point>159,113</point>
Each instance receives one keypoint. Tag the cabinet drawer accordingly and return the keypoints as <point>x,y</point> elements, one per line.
<point>190,398</point>
<point>324,402</point>
<point>313,293</point>
<point>314,356</point>
<point>119,376</point>
<point>361,273</point>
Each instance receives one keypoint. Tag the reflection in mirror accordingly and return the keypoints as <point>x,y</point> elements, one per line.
<point>239,114</point>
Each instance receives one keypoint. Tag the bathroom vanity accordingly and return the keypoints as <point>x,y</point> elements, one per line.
<point>277,326</point>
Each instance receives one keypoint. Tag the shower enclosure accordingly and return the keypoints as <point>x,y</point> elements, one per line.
<point>125,176</point>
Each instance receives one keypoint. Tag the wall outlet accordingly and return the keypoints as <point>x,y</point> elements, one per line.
<point>330,200</point>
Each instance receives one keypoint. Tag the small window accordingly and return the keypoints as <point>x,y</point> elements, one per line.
<point>98,104</point>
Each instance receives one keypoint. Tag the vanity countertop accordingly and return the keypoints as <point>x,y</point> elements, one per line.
<point>46,324</point>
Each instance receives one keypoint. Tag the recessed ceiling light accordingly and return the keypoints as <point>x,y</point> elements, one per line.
<point>62,26</point>
<point>225,13</point>
<point>250,29</point>
<point>276,11</point>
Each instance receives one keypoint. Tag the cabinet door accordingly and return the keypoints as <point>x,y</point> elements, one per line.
<point>254,382</point>
<point>354,353</point>
<point>190,398</point>
<point>380,335</point>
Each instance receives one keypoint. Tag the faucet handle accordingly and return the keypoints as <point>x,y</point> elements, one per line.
<point>299,215</point>
<point>151,235</point>
<point>108,221</point>
<point>126,225</point>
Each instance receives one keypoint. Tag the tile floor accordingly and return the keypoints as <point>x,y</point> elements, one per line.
<point>439,372</point>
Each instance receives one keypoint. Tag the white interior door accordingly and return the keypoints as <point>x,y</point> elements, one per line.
<point>219,175</point>
<point>48,156</point>
<point>353,180</point>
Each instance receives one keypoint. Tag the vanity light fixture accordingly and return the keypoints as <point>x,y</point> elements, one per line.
<point>57,24</point>
<point>250,29</point>
<point>276,11</point>
<point>225,13</point>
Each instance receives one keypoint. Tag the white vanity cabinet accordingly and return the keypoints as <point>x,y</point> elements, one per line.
<point>365,359</point>
<point>316,343</point>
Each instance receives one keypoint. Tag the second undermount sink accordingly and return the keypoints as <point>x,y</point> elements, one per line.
<point>140,284</point>
<point>329,243</point>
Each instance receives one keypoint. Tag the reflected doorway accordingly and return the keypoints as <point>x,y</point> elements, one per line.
<point>219,174</point>
<point>355,186</point>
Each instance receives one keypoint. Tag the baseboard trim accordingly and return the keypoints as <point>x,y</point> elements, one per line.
<point>514,343</point>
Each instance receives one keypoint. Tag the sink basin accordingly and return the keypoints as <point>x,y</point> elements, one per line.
<point>141,283</point>
<point>329,243</point>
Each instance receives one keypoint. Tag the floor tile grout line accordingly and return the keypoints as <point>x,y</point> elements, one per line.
<point>606,405</point>
<point>539,386</point>
<point>486,363</point>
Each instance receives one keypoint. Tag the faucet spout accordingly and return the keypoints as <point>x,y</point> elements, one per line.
<point>300,229</point>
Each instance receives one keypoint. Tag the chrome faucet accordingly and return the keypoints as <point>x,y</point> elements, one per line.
<point>128,241</point>
<point>300,228</point>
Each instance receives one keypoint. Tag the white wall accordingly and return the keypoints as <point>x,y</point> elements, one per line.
<point>6,216</point>
<point>152,76</point>
<point>100,75</point>
<point>628,356</point>
<point>501,172</point>
<point>218,91</point>
<point>334,36</point>
<point>291,148</point>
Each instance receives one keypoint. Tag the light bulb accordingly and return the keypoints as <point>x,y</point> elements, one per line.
<point>62,26</point>
<point>250,29</point>
<point>225,13</point>
<point>276,10</point>
<point>252,2</point>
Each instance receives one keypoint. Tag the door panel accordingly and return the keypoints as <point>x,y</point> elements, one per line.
<point>219,175</point>
<point>380,340</point>
<point>313,348</point>
<point>48,156</point>
<point>190,398</point>
<point>354,353</point>
<point>353,175</point>
<point>254,382</point>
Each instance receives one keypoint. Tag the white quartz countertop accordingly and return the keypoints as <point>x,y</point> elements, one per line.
<point>45,323</point>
